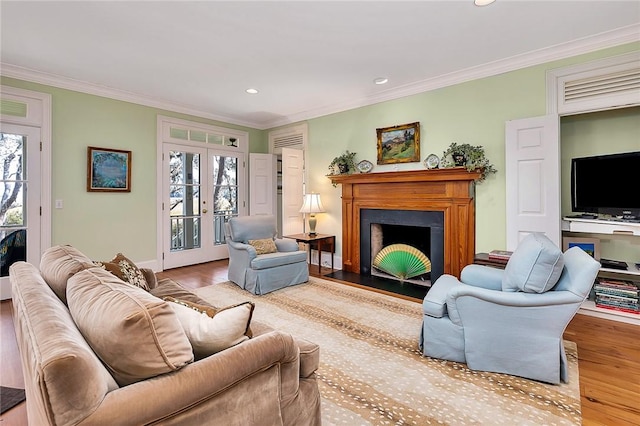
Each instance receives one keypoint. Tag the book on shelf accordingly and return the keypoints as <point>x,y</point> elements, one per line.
<point>618,308</point>
<point>500,254</point>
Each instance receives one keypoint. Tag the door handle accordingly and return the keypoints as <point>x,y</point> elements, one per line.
<point>204,210</point>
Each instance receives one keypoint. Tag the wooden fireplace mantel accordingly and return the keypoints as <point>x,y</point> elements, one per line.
<point>450,191</point>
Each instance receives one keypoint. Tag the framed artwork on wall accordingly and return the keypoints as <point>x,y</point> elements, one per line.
<point>589,245</point>
<point>399,144</point>
<point>108,170</point>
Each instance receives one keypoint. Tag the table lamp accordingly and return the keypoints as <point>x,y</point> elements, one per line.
<point>312,205</point>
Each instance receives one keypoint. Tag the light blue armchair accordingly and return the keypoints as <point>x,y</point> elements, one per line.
<point>510,321</point>
<point>262,273</point>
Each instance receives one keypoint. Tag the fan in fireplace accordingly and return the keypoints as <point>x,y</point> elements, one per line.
<point>402,261</point>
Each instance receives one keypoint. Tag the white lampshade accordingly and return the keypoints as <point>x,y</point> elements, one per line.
<point>312,204</point>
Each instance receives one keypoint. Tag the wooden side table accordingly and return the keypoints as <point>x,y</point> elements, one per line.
<point>318,242</point>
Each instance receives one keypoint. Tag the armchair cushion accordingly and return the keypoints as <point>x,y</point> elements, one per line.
<point>245,228</point>
<point>264,246</point>
<point>534,267</point>
<point>272,260</point>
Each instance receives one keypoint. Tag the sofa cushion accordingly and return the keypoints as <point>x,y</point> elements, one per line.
<point>208,335</point>
<point>58,264</point>
<point>272,260</point>
<point>264,246</point>
<point>136,335</point>
<point>534,267</point>
<point>126,270</point>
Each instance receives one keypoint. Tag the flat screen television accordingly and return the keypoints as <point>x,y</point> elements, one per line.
<point>607,185</point>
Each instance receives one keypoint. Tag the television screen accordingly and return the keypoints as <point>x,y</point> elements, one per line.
<point>606,184</point>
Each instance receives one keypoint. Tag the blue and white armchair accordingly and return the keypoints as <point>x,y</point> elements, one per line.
<point>282,263</point>
<point>510,321</point>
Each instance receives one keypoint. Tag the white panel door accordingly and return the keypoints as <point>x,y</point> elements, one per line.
<point>262,184</point>
<point>19,199</point>
<point>532,178</point>
<point>292,190</point>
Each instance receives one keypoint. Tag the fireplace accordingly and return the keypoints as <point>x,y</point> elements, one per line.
<point>445,196</point>
<point>423,230</point>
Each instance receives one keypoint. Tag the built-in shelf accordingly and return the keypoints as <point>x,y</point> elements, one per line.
<point>615,228</point>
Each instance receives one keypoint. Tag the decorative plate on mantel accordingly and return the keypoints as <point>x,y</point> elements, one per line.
<point>432,162</point>
<point>364,166</point>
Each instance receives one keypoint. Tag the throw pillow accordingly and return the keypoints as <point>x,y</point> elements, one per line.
<point>208,335</point>
<point>264,246</point>
<point>134,333</point>
<point>126,270</point>
<point>58,264</point>
<point>202,309</point>
<point>534,267</point>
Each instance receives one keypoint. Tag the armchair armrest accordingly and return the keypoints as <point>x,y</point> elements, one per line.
<point>482,276</point>
<point>235,245</point>
<point>286,245</point>
<point>476,298</point>
<point>150,401</point>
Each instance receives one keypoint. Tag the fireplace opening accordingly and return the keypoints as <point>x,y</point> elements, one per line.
<point>423,230</point>
<point>387,236</point>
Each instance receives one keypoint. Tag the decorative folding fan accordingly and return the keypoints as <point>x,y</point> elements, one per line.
<point>402,261</point>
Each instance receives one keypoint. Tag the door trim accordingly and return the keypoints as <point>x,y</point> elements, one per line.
<point>164,123</point>
<point>38,115</point>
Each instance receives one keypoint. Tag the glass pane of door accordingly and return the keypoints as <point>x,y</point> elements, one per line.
<point>13,202</point>
<point>184,200</point>
<point>225,193</point>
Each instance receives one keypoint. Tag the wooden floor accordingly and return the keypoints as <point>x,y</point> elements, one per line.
<point>608,352</point>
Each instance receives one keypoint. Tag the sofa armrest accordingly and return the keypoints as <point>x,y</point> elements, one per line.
<point>167,396</point>
<point>286,245</point>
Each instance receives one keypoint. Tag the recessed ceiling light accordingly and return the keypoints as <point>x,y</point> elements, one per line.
<point>381,80</point>
<point>252,91</point>
<point>483,2</point>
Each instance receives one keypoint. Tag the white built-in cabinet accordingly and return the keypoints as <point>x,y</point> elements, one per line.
<point>532,153</point>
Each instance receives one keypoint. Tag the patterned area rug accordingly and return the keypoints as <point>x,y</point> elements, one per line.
<point>371,370</point>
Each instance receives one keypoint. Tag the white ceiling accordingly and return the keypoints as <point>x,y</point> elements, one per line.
<point>307,58</point>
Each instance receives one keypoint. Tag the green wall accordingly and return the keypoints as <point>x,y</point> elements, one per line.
<point>102,224</point>
<point>474,112</point>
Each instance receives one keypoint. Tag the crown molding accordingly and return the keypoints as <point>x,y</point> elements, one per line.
<point>26,74</point>
<point>584,45</point>
<point>576,47</point>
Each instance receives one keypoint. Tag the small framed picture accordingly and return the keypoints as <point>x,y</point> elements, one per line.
<point>399,144</point>
<point>590,245</point>
<point>108,170</point>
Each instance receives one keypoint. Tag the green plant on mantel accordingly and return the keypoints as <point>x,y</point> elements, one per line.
<point>343,164</point>
<point>469,156</point>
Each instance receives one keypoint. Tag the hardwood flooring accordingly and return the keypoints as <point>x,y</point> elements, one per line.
<point>608,352</point>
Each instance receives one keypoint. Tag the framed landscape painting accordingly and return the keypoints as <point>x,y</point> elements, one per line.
<point>589,245</point>
<point>108,170</point>
<point>399,144</point>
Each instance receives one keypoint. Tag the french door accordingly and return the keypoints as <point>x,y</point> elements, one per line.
<point>19,198</point>
<point>202,191</point>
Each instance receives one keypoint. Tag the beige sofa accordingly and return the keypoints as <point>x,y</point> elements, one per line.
<point>266,380</point>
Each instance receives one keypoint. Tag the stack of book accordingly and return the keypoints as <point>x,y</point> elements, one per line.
<point>500,255</point>
<point>617,295</point>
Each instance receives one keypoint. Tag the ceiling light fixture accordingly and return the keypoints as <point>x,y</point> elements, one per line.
<point>252,91</point>
<point>483,2</point>
<point>381,80</point>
